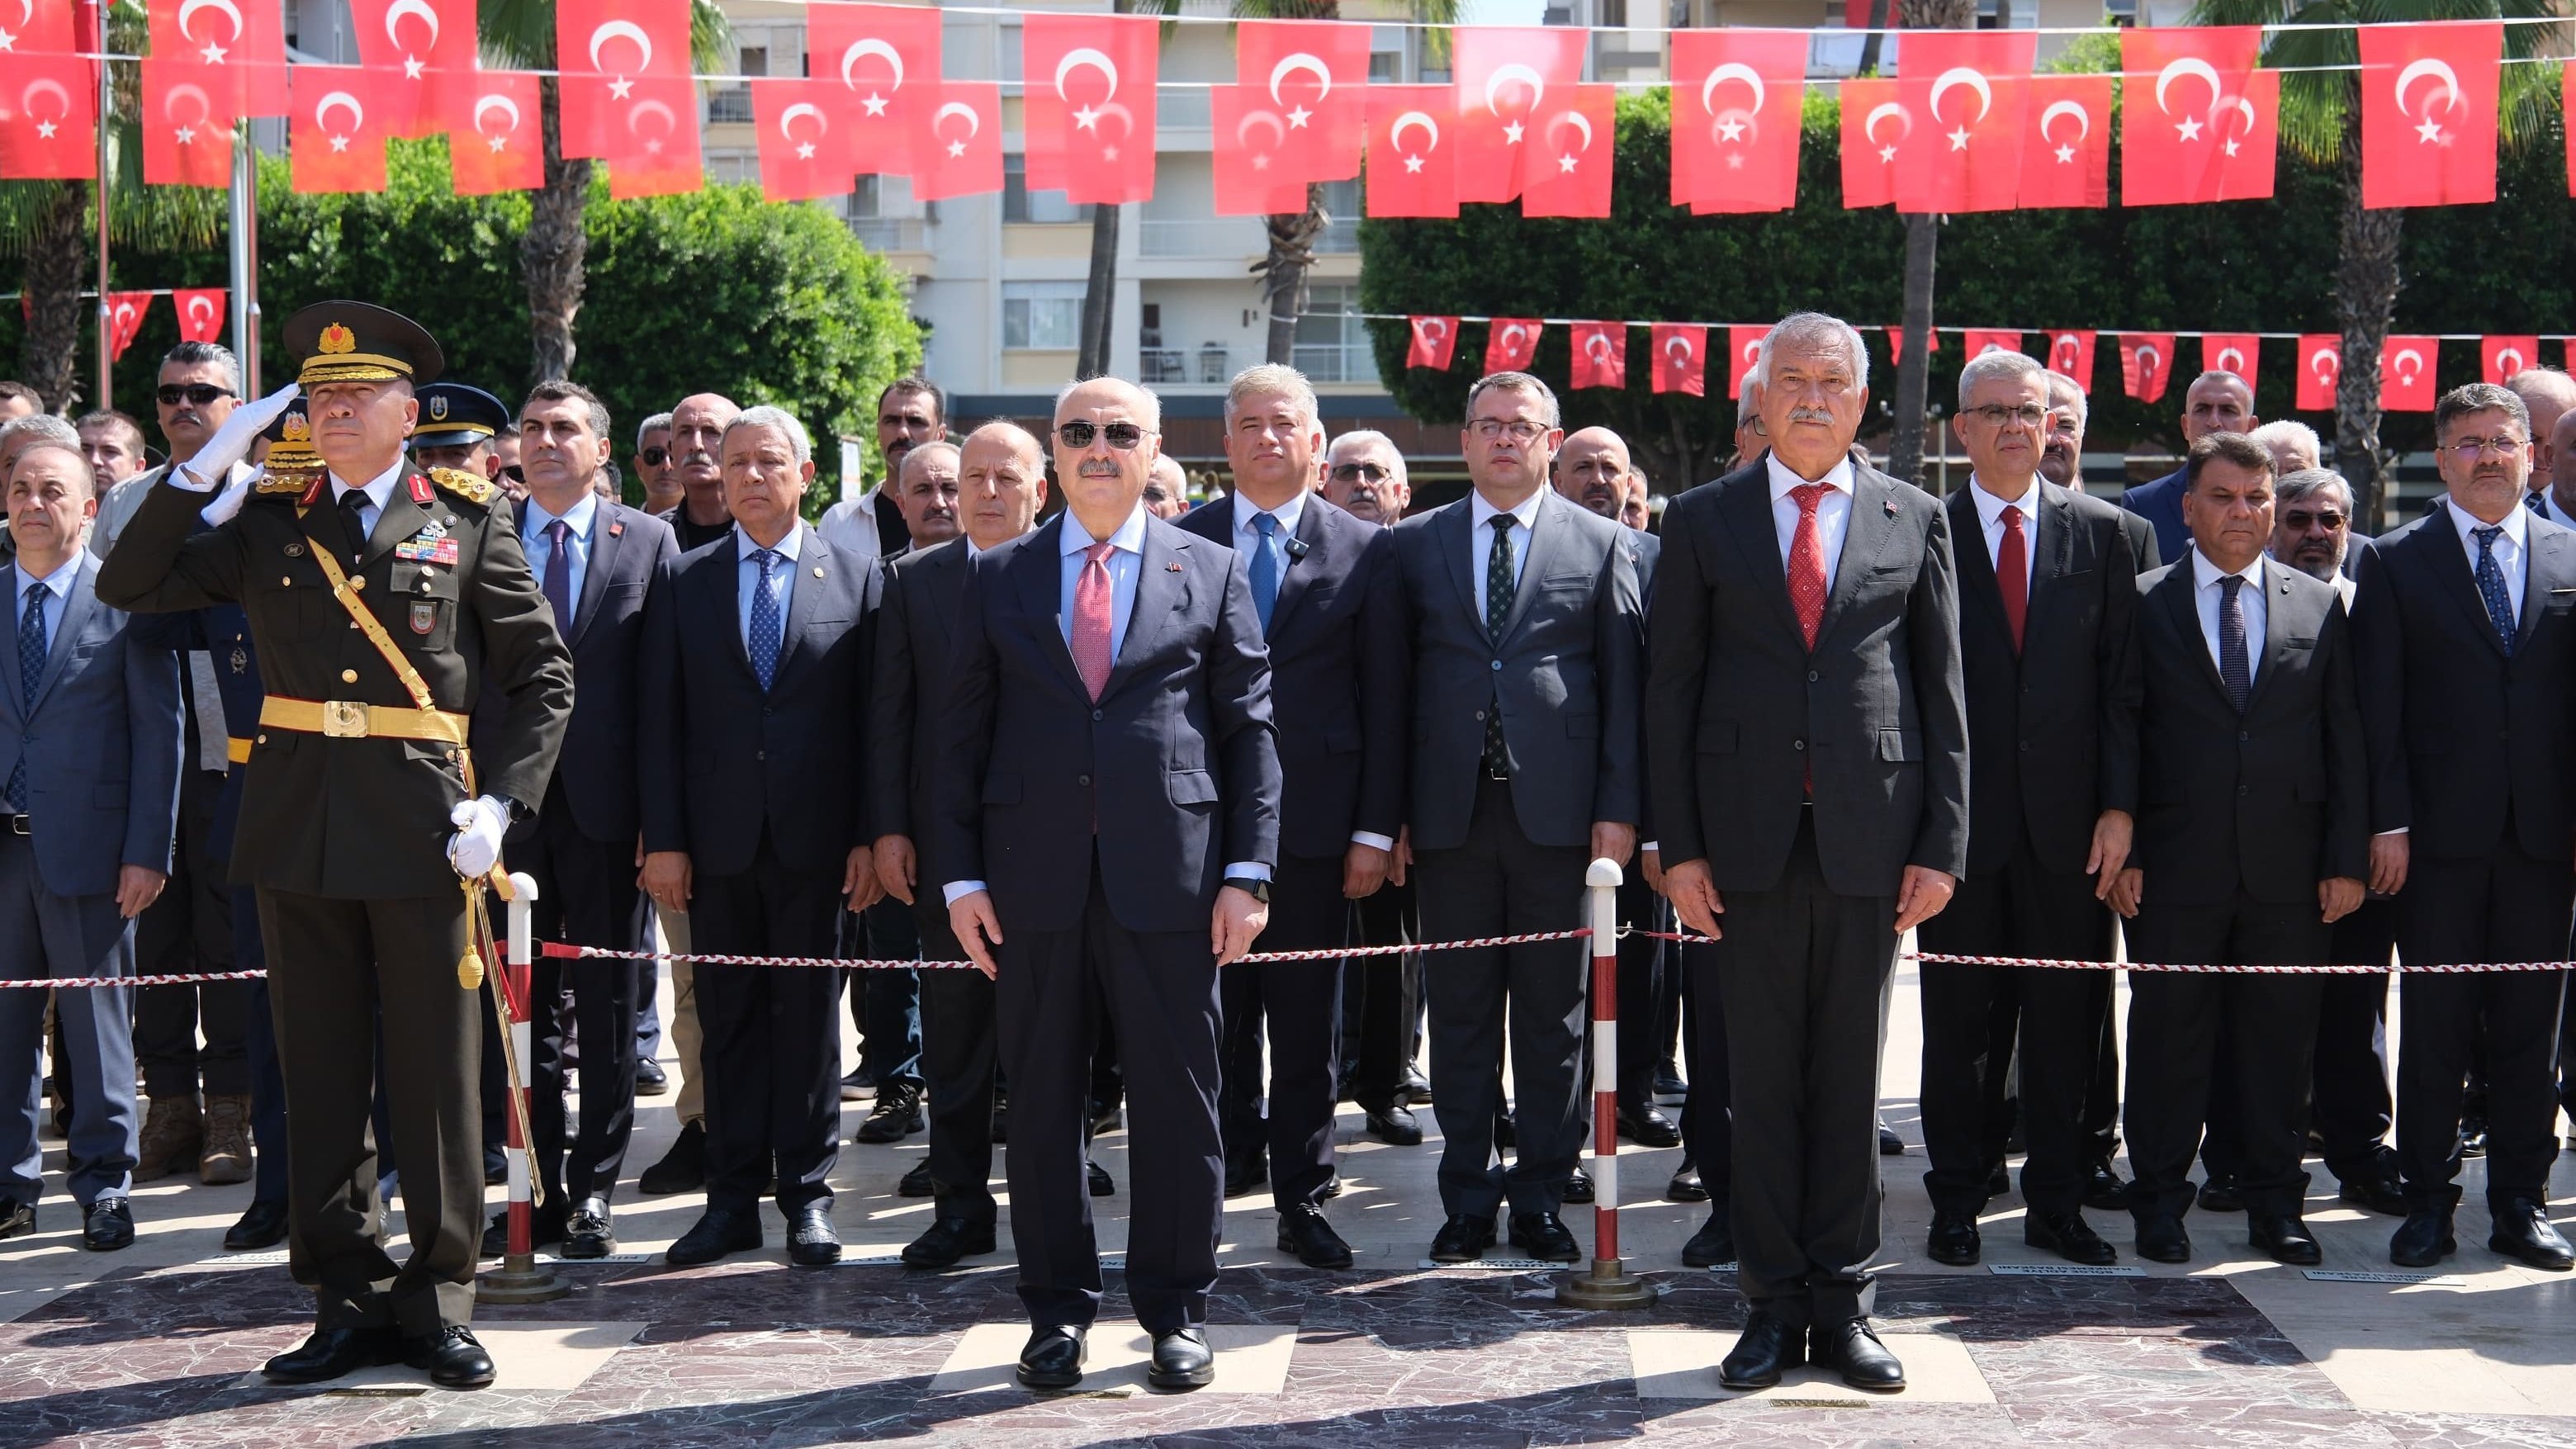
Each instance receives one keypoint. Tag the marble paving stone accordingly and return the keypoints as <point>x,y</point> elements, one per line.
<point>553,1356</point>
<point>1251,1358</point>
<point>1682,1364</point>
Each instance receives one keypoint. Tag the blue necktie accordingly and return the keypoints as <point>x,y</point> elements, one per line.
<point>1265,568</point>
<point>557,586</point>
<point>764,619</point>
<point>31,673</point>
<point>2491,588</point>
<point>2234,669</point>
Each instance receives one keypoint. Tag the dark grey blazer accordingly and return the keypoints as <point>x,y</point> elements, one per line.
<point>911,671</point>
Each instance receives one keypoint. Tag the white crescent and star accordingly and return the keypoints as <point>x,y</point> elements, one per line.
<point>1973,79</point>
<point>2083,121</point>
<point>1733,70</point>
<point>2189,65</point>
<point>2404,357</point>
<point>483,105</point>
<point>196,305</point>
<point>670,123</point>
<point>340,100</point>
<point>2508,360</point>
<point>626,30</point>
<point>1565,164</point>
<point>974,125</point>
<point>1885,109</point>
<point>213,54</point>
<point>2325,362</point>
<point>1082,58</point>
<point>2149,359</point>
<point>1504,75</point>
<point>1291,65</point>
<point>2068,348</point>
<point>395,13</point>
<point>1395,137</point>
<point>1682,357</point>
<point>859,50</point>
<point>1513,335</point>
<point>1431,329</point>
<point>2430,130</point>
<point>2238,108</point>
<point>787,126</point>
<point>170,110</point>
<point>1278,134</point>
<point>1597,345</point>
<point>2231,359</point>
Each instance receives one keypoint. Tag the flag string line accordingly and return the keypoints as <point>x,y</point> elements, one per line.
<point>2177,332</point>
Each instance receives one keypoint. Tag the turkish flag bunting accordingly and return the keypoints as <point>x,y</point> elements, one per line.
<point>2146,364</point>
<point>1896,344</point>
<point>240,43</point>
<point>2071,353</point>
<point>877,70</point>
<point>1980,343</point>
<point>337,138</point>
<point>1681,358</point>
<point>1412,151</point>
<point>2428,112</point>
<point>2187,134</point>
<point>1736,98</point>
<point>605,48</point>
<point>201,312</point>
<point>804,147</point>
<point>1435,341</point>
<point>1088,104</point>
<point>652,150</point>
<point>1744,346</point>
<point>1298,66</point>
<point>2320,368</point>
<point>1876,130</point>
<point>1510,343</point>
<point>1968,87</point>
<point>48,117</point>
<point>47,27</point>
<point>2406,374</point>
<point>427,45</point>
<point>2066,161</point>
<point>187,124</point>
<point>125,318</point>
<point>957,150</point>
<point>2500,357</point>
<point>2235,352</point>
<point>2567,107</point>
<point>493,140</point>
<point>1568,155</point>
<point>1253,174</point>
<point>1599,353</point>
<point>1505,78</point>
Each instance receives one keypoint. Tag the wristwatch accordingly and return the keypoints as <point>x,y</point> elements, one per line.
<point>1259,890</point>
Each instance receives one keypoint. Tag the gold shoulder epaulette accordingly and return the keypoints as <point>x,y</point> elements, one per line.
<point>465,485</point>
<point>288,484</point>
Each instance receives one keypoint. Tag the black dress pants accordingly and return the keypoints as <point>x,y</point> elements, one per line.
<point>772,1044</point>
<point>2352,1108</point>
<point>1301,1003</point>
<point>586,896</point>
<point>189,928</point>
<point>1382,995</point>
<point>1708,1107</point>
<point>958,1056</point>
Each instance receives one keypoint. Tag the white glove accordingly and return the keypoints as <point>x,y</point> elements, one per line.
<point>231,442</point>
<point>476,846</point>
<point>228,502</point>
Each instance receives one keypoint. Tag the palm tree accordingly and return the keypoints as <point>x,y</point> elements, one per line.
<point>520,34</point>
<point>1922,244</point>
<point>2321,119</point>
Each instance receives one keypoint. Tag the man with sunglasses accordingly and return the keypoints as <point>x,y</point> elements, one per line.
<point>1167,489</point>
<point>653,465</point>
<point>1364,477</point>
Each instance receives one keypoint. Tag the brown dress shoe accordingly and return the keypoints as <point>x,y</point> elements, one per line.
<point>172,1133</point>
<point>225,1157</point>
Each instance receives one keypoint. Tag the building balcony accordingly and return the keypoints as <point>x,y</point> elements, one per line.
<point>1222,237</point>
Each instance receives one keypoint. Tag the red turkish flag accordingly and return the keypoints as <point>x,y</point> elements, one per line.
<point>2320,368</point>
<point>493,143</point>
<point>201,312</point>
<point>1980,343</point>
<point>1088,104</point>
<point>1510,343</point>
<point>2206,127</point>
<point>605,49</point>
<point>1300,67</point>
<point>2501,356</point>
<point>2428,112</point>
<point>1969,88</point>
<point>1435,341</point>
<point>2146,364</point>
<point>336,136</point>
<point>653,149</point>
<point>2567,107</point>
<point>1599,352</point>
<point>427,45</point>
<point>2406,374</point>
<point>2067,159</point>
<point>1412,151</point>
<point>2072,354</point>
<point>877,70</point>
<point>188,123</point>
<point>1569,153</point>
<point>1744,345</point>
<point>1253,174</point>
<point>1506,77</point>
<point>47,27</point>
<point>2235,352</point>
<point>240,44</point>
<point>1876,129</point>
<point>125,318</point>
<point>1896,344</point>
<point>804,147</point>
<point>1736,99</point>
<point>957,151</point>
<point>48,117</point>
<point>1681,358</point>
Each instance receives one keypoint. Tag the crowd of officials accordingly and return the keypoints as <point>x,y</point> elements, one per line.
<point>1103,750</point>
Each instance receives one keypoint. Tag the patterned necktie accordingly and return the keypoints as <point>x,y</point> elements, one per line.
<point>1499,587</point>
<point>2012,573</point>
<point>2491,587</point>
<point>31,673</point>
<point>764,618</point>
<point>2234,669</point>
<point>2533,502</point>
<point>353,522</point>
<point>1092,595</point>
<point>557,585</point>
<point>1807,562</point>
<point>1265,568</point>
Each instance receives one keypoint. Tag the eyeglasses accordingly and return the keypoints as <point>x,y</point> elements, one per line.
<point>195,394</point>
<point>1356,472</point>
<point>1995,415</point>
<point>1519,430</point>
<point>2301,522</point>
<point>1154,494</point>
<point>514,473</point>
<point>655,457</point>
<point>2468,449</point>
<point>1122,436</point>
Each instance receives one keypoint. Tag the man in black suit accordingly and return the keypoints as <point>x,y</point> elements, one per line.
<point>1809,744</point>
<point>2252,837</point>
<point>2217,401</point>
<point>1108,821</point>
<point>1323,585</point>
<point>1001,486</point>
<point>755,669</point>
<point>2047,594</point>
<point>1528,653</point>
<point>2463,617</point>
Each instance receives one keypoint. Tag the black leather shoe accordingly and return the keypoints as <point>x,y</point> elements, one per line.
<point>107,1225</point>
<point>1768,1345</point>
<point>17,1219</point>
<point>1097,1178</point>
<point>650,1079</point>
<point>1714,1243</point>
<point>1462,1239</point>
<point>261,1225</point>
<point>1642,1122</point>
<point>545,1229</point>
<point>2283,1238</point>
<point>2069,1237</point>
<point>1416,1088</point>
<point>683,1168</point>
<point>946,1243</point>
<point>1852,1349</point>
<point>721,1233</point>
<point>1954,1240</point>
<point>1543,1236</point>
<point>1245,1175</point>
<point>2220,1194</point>
<point>916,1183</point>
<point>1053,1358</point>
<point>1578,1187</point>
<point>496,1170</point>
<point>589,1232</point>
<point>2473,1136</point>
<point>1182,1360</point>
<point>333,1352</point>
<point>1998,1178</point>
<point>2103,1189</point>
<point>812,1242</point>
<point>1394,1125</point>
<point>1670,1089</point>
<point>2423,1240</point>
<point>2378,1195</point>
<point>897,1116</point>
<point>1686,1185</point>
<point>1889,1144</point>
<point>2162,1240</point>
<point>451,1357</point>
<point>2523,1233</point>
<point>1303,1231</point>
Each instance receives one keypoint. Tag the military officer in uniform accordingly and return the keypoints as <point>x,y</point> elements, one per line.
<point>361,808</point>
<point>458,429</point>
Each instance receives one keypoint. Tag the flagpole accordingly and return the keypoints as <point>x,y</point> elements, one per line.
<point>245,258</point>
<point>106,112</point>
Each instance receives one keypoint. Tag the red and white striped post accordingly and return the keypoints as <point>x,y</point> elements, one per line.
<point>519,1279</point>
<point>1609,1284</point>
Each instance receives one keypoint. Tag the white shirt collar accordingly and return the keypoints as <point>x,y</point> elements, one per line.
<point>1130,537</point>
<point>2205,574</point>
<point>379,492</point>
<point>1287,513</point>
<point>583,512</point>
<point>788,547</point>
<point>1782,480</point>
<point>1990,508</point>
<point>2515,523</point>
<point>59,582</point>
<point>1481,510</point>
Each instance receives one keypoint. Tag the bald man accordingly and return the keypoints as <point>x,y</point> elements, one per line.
<point>2547,394</point>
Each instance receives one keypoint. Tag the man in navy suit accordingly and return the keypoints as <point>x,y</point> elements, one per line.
<point>1108,821</point>
<point>1324,585</point>
<point>755,677</point>
<point>2217,401</point>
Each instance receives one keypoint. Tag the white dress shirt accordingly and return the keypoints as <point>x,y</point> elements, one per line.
<point>2205,596</point>
<point>379,492</point>
<point>1833,511</point>
<point>2509,551</point>
<point>747,578</point>
<point>1480,537</point>
<point>2557,515</point>
<point>852,524</point>
<point>579,520</point>
<point>1247,538</point>
<point>1990,520</point>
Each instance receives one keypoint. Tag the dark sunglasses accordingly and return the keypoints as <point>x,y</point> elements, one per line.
<point>1122,436</point>
<point>1349,472</point>
<point>195,394</point>
<point>514,473</point>
<point>2299,522</point>
<point>655,457</point>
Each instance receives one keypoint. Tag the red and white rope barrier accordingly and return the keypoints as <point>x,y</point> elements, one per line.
<point>2436,968</point>
<point>1330,953</point>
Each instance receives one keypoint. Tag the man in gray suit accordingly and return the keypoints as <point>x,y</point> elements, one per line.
<point>1528,639</point>
<point>1807,727</point>
<point>89,731</point>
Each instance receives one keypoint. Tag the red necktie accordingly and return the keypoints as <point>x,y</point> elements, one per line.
<point>1807,562</point>
<point>2012,572</point>
<point>1091,619</point>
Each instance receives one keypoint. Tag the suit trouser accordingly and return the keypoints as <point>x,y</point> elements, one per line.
<point>1299,1003</point>
<point>269,1182</point>
<point>886,1005</point>
<point>681,1021</point>
<point>1160,987</point>
<point>324,998</point>
<point>2182,1055</point>
<point>1382,996</point>
<point>772,1049</point>
<point>959,1054</point>
<point>43,934</point>
<point>2352,1108</point>
<point>2506,907</point>
<point>1501,883</point>
<point>2022,908</point>
<point>1804,972</point>
<point>1641,983</point>
<point>1708,1107</point>
<point>189,928</point>
<point>586,896</point>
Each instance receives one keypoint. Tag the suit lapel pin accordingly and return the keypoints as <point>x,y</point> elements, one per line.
<point>1891,508</point>
<point>818,571</point>
<point>1171,568</point>
<point>617,530</point>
